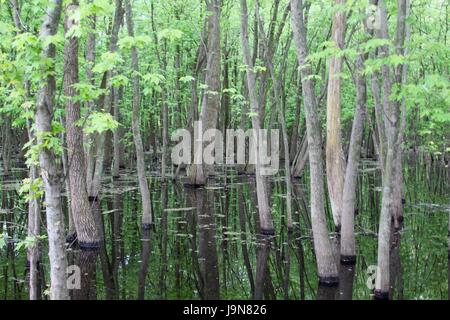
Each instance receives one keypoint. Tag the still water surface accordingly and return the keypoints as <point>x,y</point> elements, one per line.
<point>205,243</point>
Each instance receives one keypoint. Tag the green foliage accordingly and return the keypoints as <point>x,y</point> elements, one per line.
<point>95,7</point>
<point>99,122</point>
<point>28,242</point>
<point>431,99</point>
<point>152,81</point>
<point>32,189</point>
<point>187,79</point>
<point>118,80</point>
<point>87,92</point>
<point>108,61</point>
<point>170,34</point>
<point>126,43</point>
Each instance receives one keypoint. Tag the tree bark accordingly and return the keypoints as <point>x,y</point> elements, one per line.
<point>86,229</point>
<point>50,169</point>
<point>265,215</point>
<point>394,135</point>
<point>335,161</point>
<point>326,265</point>
<point>136,120</point>
<point>34,208</point>
<point>277,93</point>
<point>117,134</point>
<point>211,95</point>
<point>348,246</point>
<point>97,172</point>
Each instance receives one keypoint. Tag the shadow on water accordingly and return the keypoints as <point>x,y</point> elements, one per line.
<point>208,269</point>
<point>346,279</point>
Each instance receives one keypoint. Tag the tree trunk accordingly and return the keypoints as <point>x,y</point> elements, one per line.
<point>34,208</point>
<point>6,150</point>
<point>97,172</point>
<point>326,265</point>
<point>211,95</point>
<point>117,135</point>
<point>136,120</point>
<point>394,136</point>
<point>50,169</point>
<point>207,251</point>
<point>281,119</point>
<point>86,229</point>
<point>334,155</point>
<point>90,61</point>
<point>265,215</point>
<point>348,247</point>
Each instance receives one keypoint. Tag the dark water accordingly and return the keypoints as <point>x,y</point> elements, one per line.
<point>204,244</point>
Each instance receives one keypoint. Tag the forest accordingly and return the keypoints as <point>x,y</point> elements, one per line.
<point>224,149</point>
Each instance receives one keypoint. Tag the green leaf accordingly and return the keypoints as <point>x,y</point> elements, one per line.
<point>108,61</point>
<point>170,34</point>
<point>187,79</point>
<point>99,122</point>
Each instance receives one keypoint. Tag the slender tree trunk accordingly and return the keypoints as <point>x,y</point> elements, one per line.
<point>136,120</point>
<point>34,208</point>
<point>394,134</point>
<point>348,247</point>
<point>90,60</point>
<point>97,172</point>
<point>87,233</point>
<point>6,150</point>
<point>34,228</point>
<point>265,216</point>
<point>117,135</point>
<point>50,169</point>
<point>326,265</point>
<point>281,119</point>
<point>295,127</point>
<point>334,155</point>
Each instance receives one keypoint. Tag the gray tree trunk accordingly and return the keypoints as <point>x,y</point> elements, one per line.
<point>281,119</point>
<point>327,269</point>
<point>348,246</point>
<point>265,215</point>
<point>335,161</point>
<point>211,96</point>
<point>116,135</point>
<point>393,128</point>
<point>97,171</point>
<point>34,208</point>
<point>50,169</point>
<point>143,185</point>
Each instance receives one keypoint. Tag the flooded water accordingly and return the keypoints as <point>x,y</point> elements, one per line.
<point>205,243</point>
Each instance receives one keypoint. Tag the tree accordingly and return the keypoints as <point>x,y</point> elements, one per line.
<point>348,245</point>
<point>50,170</point>
<point>143,185</point>
<point>95,171</point>
<point>393,129</point>
<point>326,265</point>
<point>335,161</point>
<point>86,229</point>
<point>265,216</point>
<point>211,94</point>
